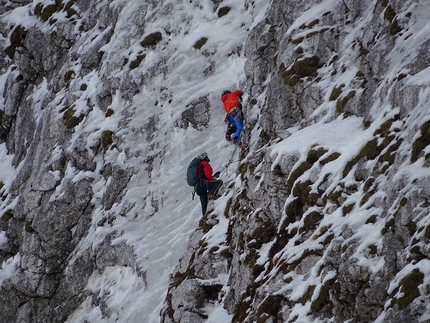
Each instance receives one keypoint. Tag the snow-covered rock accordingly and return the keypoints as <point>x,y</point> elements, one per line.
<point>323,219</point>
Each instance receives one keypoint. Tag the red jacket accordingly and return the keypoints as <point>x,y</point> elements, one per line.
<point>231,100</point>
<point>207,171</point>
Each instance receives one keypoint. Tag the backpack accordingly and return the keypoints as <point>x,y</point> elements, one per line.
<point>192,177</point>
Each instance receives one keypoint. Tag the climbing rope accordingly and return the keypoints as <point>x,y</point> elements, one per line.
<point>231,160</point>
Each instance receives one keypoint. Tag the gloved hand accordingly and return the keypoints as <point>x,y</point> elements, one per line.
<point>216,175</point>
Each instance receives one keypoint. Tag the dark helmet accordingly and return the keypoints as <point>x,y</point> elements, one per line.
<point>224,92</point>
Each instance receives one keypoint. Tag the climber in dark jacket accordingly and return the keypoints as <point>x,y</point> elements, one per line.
<point>207,185</point>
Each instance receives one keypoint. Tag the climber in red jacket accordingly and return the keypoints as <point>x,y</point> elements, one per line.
<point>234,118</point>
<point>207,185</point>
<point>231,100</point>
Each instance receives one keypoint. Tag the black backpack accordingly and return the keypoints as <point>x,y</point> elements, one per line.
<point>192,170</point>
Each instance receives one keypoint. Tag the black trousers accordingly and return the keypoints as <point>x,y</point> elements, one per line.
<point>205,189</point>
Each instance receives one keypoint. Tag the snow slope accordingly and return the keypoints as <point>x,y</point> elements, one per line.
<point>155,215</point>
<point>158,213</point>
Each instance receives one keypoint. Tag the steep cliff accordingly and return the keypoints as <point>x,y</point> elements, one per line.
<point>104,103</point>
<point>328,219</point>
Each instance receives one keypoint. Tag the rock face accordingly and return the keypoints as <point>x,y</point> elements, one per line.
<point>335,230</point>
<point>47,211</point>
<point>320,234</point>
